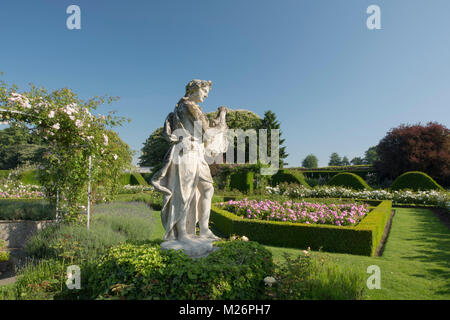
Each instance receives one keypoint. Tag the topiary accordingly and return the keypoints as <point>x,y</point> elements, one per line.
<point>289,176</point>
<point>415,180</point>
<point>133,179</point>
<point>242,180</point>
<point>349,180</point>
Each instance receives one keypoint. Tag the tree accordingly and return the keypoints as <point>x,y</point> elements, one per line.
<point>310,161</point>
<point>371,155</point>
<point>335,159</point>
<point>18,147</point>
<point>345,161</point>
<point>154,149</point>
<point>270,122</point>
<point>357,161</point>
<point>416,148</point>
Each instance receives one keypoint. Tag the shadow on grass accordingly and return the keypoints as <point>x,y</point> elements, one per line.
<point>432,246</point>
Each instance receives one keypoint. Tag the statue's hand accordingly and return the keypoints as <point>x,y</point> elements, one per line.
<point>222,109</point>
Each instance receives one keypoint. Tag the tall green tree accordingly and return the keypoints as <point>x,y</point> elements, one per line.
<point>154,149</point>
<point>371,155</point>
<point>335,159</point>
<point>345,161</point>
<point>18,146</point>
<point>270,122</point>
<point>310,162</point>
<point>357,161</point>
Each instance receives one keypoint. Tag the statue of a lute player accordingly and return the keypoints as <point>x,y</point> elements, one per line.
<point>185,179</point>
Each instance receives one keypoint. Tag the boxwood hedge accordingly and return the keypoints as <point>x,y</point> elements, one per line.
<point>362,239</point>
<point>349,180</point>
<point>289,176</point>
<point>133,179</point>
<point>415,180</point>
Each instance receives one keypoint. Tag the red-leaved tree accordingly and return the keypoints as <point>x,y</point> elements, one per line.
<point>416,148</point>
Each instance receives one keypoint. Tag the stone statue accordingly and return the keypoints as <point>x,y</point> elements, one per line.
<point>185,179</point>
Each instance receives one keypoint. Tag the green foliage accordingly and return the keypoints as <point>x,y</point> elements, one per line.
<point>314,276</point>
<point>19,147</point>
<point>270,122</point>
<point>134,179</point>
<point>4,252</point>
<point>4,174</point>
<point>310,161</point>
<point>235,271</point>
<point>153,199</point>
<point>335,159</point>
<point>72,134</point>
<point>361,239</point>
<point>289,176</point>
<point>349,180</point>
<point>242,179</point>
<point>26,209</point>
<point>239,119</point>
<point>371,155</point>
<point>111,225</point>
<point>415,180</point>
<point>154,149</point>
<point>30,177</point>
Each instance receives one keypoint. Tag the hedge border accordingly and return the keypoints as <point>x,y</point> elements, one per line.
<point>362,239</point>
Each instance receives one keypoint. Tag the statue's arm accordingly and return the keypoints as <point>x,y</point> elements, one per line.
<point>198,115</point>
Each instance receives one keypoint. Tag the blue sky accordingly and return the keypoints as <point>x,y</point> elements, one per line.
<point>335,85</point>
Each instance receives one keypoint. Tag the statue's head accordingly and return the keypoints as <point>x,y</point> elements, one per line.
<point>197,90</point>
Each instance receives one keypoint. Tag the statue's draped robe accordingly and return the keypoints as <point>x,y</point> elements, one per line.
<point>184,166</point>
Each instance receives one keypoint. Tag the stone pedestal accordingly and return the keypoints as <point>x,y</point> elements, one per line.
<point>197,247</point>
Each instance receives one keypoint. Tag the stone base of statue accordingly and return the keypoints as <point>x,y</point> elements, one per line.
<point>196,247</point>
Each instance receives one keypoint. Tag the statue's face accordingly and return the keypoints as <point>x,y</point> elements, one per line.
<point>199,95</point>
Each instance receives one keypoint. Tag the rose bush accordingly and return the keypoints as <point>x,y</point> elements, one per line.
<point>73,134</point>
<point>434,198</point>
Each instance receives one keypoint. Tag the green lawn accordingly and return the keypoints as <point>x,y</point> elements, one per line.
<point>416,260</point>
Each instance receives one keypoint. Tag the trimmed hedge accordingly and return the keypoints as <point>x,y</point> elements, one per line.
<point>289,176</point>
<point>349,180</point>
<point>415,180</point>
<point>26,209</point>
<point>362,239</point>
<point>30,177</point>
<point>242,180</point>
<point>133,179</point>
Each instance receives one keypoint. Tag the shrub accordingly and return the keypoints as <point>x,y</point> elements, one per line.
<point>26,209</point>
<point>235,271</point>
<point>415,180</point>
<point>133,179</point>
<point>289,176</point>
<point>361,239</point>
<point>242,180</point>
<point>4,252</point>
<point>418,147</point>
<point>349,180</point>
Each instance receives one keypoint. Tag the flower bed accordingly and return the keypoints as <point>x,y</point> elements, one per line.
<point>341,214</point>
<point>439,199</point>
<point>362,239</point>
<point>18,190</point>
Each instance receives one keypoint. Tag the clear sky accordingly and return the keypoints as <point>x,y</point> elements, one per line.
<point>335,85</point>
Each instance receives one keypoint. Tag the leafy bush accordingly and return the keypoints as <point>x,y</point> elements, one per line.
<point>26,209</point>
<point>415,180</point>
<point>242,180</point>
<point>349,180</point>
<point>289,176</point>
<point>361,239</point>
<point>4,252</point>
<point>30,177</point>
<point>235,271</point>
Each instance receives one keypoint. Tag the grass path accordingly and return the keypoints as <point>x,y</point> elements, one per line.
<point>416,260</point>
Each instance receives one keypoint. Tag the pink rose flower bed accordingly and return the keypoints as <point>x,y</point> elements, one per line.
<point>347,214</point>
